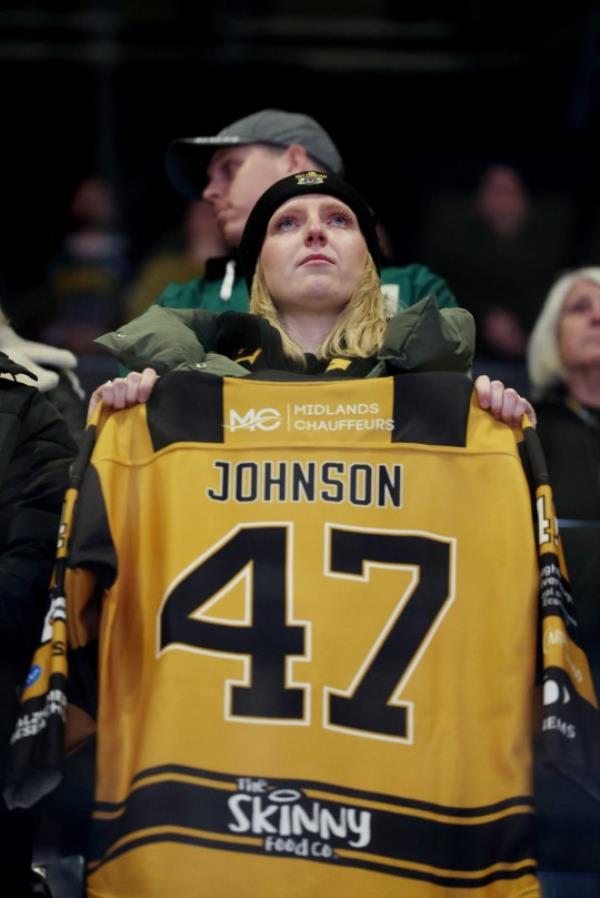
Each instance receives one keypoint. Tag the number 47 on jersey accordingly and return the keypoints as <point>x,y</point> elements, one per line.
<point>268,637</point>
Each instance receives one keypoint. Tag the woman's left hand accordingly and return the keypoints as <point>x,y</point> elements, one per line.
<point>502,402</point>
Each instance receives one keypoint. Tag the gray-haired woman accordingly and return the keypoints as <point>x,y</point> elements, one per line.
<point>564,368</point>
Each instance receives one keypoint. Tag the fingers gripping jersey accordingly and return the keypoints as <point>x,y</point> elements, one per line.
<point>316,610</point>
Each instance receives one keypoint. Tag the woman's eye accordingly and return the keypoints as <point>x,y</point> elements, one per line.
<point>285,224</point>
<point>580,305</point>
<point>340,219</point>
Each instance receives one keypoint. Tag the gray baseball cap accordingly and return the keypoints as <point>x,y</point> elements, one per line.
<point>188,157</point>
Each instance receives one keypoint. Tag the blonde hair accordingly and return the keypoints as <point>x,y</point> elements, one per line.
<point>544,363</point>
<point>359,329</point>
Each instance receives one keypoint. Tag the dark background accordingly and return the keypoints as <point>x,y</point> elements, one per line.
<point>419,96</point>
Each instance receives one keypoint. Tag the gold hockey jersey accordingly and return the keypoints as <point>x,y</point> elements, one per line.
<point>316,611</point>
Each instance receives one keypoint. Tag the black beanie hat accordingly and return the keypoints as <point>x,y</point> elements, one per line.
<point>299,185</point>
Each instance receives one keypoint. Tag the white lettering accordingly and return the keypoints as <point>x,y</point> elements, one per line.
<point>259,419</point>
<point>243,823</point>
<point>359,822</point>
<point>284,821</point>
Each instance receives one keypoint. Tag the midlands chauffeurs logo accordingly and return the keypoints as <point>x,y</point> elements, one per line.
<point>299,416</point>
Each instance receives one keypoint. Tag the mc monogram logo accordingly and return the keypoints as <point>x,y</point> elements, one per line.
<point>255,419</point>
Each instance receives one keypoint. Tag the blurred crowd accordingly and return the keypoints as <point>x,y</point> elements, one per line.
<point>500,248</point>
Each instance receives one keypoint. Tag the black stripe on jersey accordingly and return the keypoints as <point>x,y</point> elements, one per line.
<point>186,406</point>
<point>536,457</point>
<point>431,408</point>
<point>79,466</point>
<point>91,544</point>
<point>406,872</point>
<point>336,792</point>
<point>398,836</point>
<point>440,880</point>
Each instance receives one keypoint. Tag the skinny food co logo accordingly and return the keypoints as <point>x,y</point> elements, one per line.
<point>254,419</point>
<point>291,823</point>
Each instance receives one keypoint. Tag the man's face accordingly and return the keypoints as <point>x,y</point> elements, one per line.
<point>237,177</point>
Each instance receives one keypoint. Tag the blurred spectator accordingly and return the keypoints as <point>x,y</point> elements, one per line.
<point>87,278</point>
<point>564,368</point>
<point>36,451</point>
<point>201,239</point>
<point>498,251</point>
<point>54,371</point>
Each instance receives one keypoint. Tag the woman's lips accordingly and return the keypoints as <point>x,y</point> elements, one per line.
<point>316,257</point>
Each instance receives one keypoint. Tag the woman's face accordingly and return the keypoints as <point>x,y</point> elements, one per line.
<point>579,326</point>
<point>313,255</point>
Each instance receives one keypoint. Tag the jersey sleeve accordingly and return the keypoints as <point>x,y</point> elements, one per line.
<point>59,696</point>
<point>570,719</point>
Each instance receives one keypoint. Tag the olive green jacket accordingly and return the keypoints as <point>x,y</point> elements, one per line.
<point>422,337</point>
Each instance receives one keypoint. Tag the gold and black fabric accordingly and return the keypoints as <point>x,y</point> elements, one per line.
<point>568,819</point>
<point>253,343</point>
<point>317,629</point>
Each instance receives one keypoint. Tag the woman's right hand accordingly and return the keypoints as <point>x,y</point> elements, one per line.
<point>124,392</point>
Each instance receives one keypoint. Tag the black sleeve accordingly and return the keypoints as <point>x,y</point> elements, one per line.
<point>34,479</point>
<point>70,404</point>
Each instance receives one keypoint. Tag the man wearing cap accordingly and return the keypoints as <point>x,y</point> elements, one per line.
<point>241,162</point>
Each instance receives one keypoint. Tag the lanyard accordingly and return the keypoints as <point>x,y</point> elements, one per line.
<point>584,414</point>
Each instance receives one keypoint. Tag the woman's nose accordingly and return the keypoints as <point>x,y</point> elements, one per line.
<point>315,233</point>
